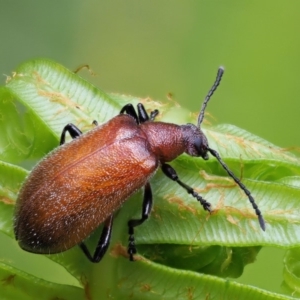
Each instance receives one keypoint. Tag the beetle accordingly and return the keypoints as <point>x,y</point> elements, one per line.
<point>81,184</point>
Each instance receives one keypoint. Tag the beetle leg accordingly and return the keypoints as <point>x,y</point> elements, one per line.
<point>103,242</point>
<point>153,114</point>
<point>129,109</point>
<point>72,129</point>
<point>171,173</point>
<point>147,206</point>
<point>142,113</point>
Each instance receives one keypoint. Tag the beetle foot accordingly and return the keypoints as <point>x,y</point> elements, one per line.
<point>206,205</point>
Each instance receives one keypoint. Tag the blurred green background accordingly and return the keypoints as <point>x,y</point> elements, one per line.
<point>151,48</point>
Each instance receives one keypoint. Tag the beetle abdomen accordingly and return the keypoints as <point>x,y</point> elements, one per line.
<point>60,207</point>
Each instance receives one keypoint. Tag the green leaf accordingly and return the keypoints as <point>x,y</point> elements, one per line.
<point>20,285</point>
<point>42,97</point>
<point>291,272</point>
<point>11,178</point>
<point>153,281</point>
<point>233,221</point>
<point>215,260</point>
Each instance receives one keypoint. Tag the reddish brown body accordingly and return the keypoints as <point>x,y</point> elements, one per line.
<point>104,167</point>
<point>81,184</point>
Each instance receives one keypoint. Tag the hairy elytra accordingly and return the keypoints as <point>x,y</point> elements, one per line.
<point>81,184</point>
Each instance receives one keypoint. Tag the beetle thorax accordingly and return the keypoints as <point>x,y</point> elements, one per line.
<point>165,139</point>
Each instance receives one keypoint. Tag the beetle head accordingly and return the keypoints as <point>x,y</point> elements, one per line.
<point>195,140</point>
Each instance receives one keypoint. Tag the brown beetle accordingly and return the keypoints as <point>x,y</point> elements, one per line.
<point>81,184</point>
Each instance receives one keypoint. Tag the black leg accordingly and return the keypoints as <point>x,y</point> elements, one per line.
<point>72,129</point>
<point>103,242</point>
<point>171,173</point>
<point>153,114</point>
<point>129,109</point>
<point>147,206</point>
<point>142,113</point>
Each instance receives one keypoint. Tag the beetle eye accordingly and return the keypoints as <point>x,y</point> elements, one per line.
<point>201,147</point>
<point>198,144</point>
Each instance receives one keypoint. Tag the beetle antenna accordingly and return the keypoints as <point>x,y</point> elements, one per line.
<point>210,93</point>
<point>246,191</point>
